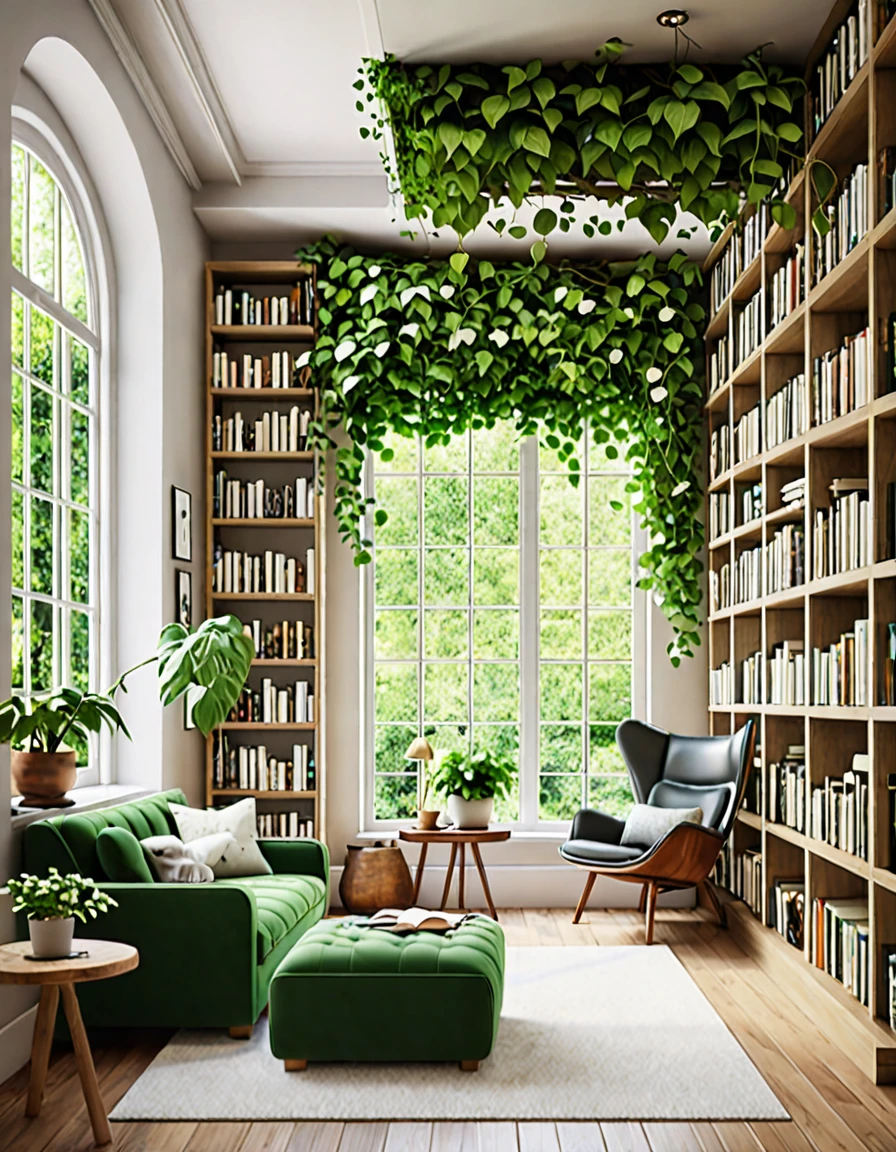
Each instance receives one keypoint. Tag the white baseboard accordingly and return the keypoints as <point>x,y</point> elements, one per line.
<point>531,886</point>
<point>15,1043</point>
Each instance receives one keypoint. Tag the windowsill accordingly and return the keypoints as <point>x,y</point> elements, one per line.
<point>524,836</point>
<point>86,800</point>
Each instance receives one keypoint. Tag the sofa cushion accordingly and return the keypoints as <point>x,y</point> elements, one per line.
<point>281,902</point>
<point>121,857</point>
<point>244,857</point>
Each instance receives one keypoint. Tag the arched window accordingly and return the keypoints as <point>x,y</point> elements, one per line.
<point>56,345</point>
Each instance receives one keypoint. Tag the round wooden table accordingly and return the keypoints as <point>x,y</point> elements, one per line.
<point>458,838</point>
<point>105,958</point>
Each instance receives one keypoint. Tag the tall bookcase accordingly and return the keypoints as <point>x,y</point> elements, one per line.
<point>860,289</point>
<point>292,537</point>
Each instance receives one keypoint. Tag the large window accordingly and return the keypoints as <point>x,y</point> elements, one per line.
<point>501,617</point>
<point>55,530</point>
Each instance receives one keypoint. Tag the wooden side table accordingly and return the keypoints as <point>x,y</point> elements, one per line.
<point>458,838</point>
<point>59,977</point>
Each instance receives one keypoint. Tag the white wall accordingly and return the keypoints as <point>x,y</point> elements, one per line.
<point>156,252</point>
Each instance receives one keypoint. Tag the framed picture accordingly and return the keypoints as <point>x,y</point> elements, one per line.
<point>181,524</point>
<point>183,597</point>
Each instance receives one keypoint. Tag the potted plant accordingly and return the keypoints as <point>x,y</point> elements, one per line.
<point>51,904</point>
<point>471,783</point>
<point>213,661</point>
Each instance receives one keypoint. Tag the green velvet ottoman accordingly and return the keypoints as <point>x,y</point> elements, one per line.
<point>346,992</point>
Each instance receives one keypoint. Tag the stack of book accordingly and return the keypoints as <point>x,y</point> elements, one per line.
<point>840,672</point>
<point>273,370</point>
<point>787,674</point>
<point>271,573</point>
<point>253,769</point>
<point>719,515</point>
<point>839,813</point>
<point>787,412</point>
<point>748,329</point>
<point>786,289</point>
<point>750,502</point>
<point>788,899</point>
<point>720,588</point>
<point>286,640</point>
<point>840,379</point>
<point>840,936</point>
<point>747,435</point>
<point>785,559</point>
<point>741,874</point>
<point>719,451</point>
<point>751,679</point>
<point>748,576</point>
<point>721,685</point>
<point>284,826</point>
<point>239,306</point>
<point>786,791</point>
<point>721,364</point>
<point>741,251</point>
<point>847,216</point>
<point>841,537</point>
<point>839,65</point>
<point>270,432</point>
<point>254,500</point>
<point>273,705</point>
<point>793,493</point>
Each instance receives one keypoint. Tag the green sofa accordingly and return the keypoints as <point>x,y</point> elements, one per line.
<point>207,951</point>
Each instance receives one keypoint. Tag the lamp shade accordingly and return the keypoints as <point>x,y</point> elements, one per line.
<point>420,749</point>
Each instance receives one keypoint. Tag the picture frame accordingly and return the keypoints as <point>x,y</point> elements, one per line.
<point>183,597</point>
<point>181,524</point>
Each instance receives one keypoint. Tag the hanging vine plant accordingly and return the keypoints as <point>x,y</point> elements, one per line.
<point>431,347</point>
<point>695,138</point>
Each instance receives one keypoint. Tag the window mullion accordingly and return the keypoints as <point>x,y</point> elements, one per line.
<point>529,633</point>
<point>586,668</point>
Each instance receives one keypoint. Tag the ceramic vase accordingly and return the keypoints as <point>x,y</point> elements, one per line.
<point>470,814</point>
<point>52,939</point>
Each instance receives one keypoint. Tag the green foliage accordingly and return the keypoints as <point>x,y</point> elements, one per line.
<point>44,723</point>
<point>419,346</point>
<point>55,896</point>
<point>478,776</point>
<point>467,136</point>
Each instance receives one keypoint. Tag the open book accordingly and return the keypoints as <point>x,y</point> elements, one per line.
<point>415,920</point>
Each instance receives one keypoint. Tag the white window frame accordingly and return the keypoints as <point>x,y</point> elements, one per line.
<point>73,186</point>
<point>529,655</point>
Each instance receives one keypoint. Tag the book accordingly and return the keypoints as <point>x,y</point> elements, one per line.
<point>416,920</point>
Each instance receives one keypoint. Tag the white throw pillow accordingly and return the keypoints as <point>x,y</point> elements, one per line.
<point>646,824</point>
<point>172,863</point>
<point>244,858</point>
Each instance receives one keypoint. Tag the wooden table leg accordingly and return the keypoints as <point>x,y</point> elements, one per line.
<point>418,875</point>
<point>99,1121</point>
<point>40,1046</point>
<point>480,868</point>
<point>447,887</point>
<point>460,876</point>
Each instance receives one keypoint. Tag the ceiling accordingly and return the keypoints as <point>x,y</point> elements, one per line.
<point>255,101</point>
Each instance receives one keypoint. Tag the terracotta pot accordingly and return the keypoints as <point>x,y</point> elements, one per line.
<point>375,876</point>
<point>427,821</point>
<point>470,814</point>
<point>52,939</point>
<point>43,778</point>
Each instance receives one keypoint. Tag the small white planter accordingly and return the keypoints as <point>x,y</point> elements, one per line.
<point>52,939</point>
<point>470,814</point>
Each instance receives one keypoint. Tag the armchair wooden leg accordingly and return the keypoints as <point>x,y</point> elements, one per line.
<point>710,894</point>
<point>651,909</point>
<point>642,903</point>
<point>583,899</point>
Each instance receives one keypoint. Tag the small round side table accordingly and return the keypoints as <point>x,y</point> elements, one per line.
<point>106,958</point>
<point>458,838</point>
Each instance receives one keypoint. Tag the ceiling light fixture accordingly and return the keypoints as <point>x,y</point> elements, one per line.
<point>672,18</point>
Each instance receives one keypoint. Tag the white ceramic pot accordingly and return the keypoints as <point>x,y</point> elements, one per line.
<point>470,813</point>
<point>52,938</point>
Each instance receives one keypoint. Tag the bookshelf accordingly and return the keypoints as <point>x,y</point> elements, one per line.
<point>282,601</point>
<point>856,441</point>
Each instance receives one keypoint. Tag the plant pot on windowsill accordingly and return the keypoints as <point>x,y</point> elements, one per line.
<point>43,778</point>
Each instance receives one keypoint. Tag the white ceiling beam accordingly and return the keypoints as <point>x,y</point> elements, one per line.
<point>325,191</point>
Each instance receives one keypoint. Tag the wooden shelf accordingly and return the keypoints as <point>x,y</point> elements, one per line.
<point>265,794</point>
<point>257,726</point>
<point>262,456</point>
<point>291,333</point>
<point>263,522</point>
<point>263,393</point>
<point>749,818</point>
<point>272,662</point>
<point>273,596</point>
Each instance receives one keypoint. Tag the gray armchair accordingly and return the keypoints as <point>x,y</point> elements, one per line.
<point>667,771</point>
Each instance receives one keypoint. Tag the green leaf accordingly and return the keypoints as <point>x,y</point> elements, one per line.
<point>545,221</point>
<point>789,132</point>
<point>515,77</point>
<point>458,261</point>
<point>493,108</point>
<point>709,90</point>
<point>538,251</point>
<point>544,90</point>
<point>517,231</point>
<point>749,79</point>
<point>537,140</point>
<point>587,98</point>
<point>681,116</point>
<point>451,136</point>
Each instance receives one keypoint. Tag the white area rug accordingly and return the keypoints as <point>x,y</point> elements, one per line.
<point>586,1034</point>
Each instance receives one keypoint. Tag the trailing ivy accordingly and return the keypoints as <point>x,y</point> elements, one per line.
<point>659,138</point>
<point>417,346</point>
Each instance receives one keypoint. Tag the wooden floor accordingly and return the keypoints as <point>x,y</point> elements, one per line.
<point>834,1107</point>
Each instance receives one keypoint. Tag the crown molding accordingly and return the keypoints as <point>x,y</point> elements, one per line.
<point>303,168</point>
<point>140,77</point>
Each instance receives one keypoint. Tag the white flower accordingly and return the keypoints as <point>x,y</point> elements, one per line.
<point>667,314</point>
<point>682,487</point>
<point>461,336</point>
<point>658,393</point>
<point>409,329</point>
<point>559,293</point>
<point>586,306</point>
<point>344,350</point>
<point>382,348</point>
<point>498,337</point>
<point>374,270</point>
<point>615,356</point>
<point>349,382</point>
<point>446,291</point>
<point>654,374</point>
<point>368,292</point>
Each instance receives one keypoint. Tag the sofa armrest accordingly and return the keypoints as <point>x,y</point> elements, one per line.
<point>298,857</point>
<point>589,824</point>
